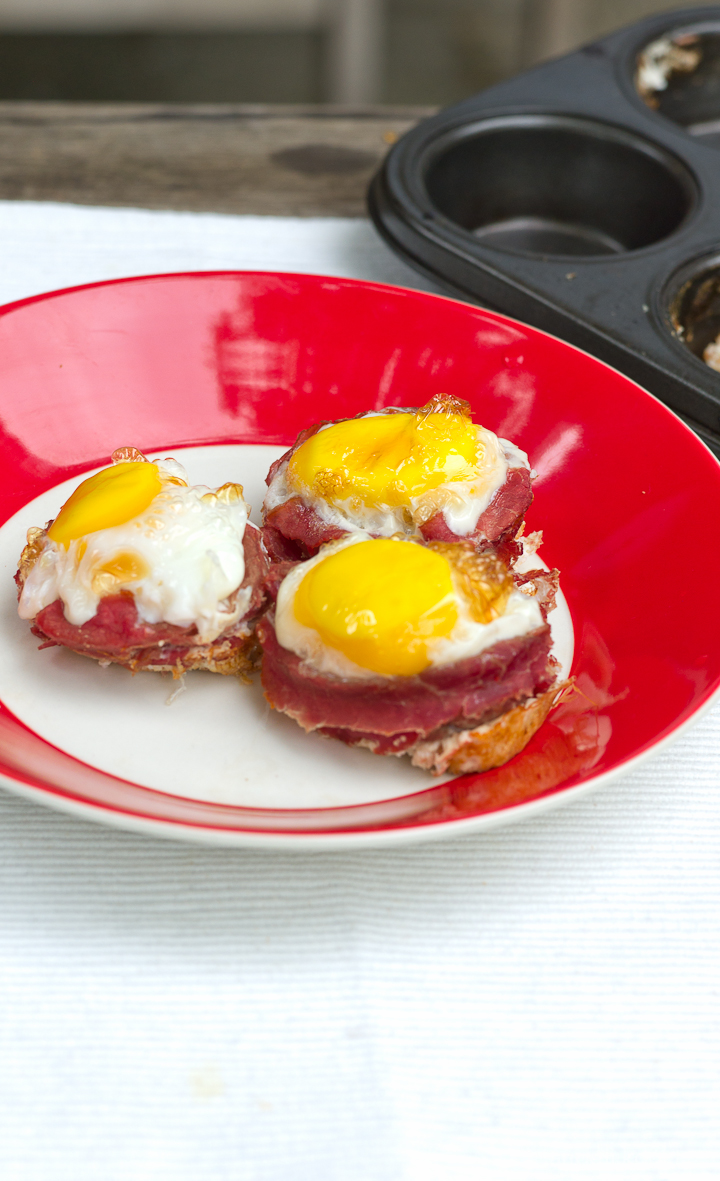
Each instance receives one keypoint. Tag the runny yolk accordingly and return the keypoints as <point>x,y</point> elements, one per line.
<point>120,570</point>
<point>111,497</point>
<point>389,459</point>
<point>379,602</point>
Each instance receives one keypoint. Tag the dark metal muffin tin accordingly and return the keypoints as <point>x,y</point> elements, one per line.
<point>570,199</point>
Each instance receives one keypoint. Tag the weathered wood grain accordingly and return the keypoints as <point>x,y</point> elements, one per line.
<point>230,159</point>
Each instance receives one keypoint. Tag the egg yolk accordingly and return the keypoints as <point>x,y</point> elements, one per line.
<point>389,459</point>
<point>118,571</point>
<point>379,602</point>
<point>111,497</point>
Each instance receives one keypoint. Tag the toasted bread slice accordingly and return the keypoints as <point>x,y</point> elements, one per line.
<point>489,745</point>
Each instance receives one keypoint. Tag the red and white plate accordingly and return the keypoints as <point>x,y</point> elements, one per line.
<point>227,368</point>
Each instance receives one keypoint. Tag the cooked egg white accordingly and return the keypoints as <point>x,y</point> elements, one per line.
<point>139,528</point>
<point>391,471</point>
<point>365,607</point>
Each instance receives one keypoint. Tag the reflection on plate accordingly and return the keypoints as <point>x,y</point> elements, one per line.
<point>229,368</point>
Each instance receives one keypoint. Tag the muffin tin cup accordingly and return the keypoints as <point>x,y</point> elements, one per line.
<point>584,197</point>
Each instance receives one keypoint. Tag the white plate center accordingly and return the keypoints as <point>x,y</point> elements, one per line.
<point>218,740</point>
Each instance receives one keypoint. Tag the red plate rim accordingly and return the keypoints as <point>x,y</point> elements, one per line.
<point>433,811</point>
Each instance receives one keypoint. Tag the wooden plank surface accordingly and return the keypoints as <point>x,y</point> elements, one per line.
<point>231,159</point>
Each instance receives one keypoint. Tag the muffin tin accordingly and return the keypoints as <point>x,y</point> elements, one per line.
<point>584,197</point>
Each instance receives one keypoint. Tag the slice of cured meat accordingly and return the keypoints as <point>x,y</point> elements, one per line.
<point>399,715</point>
<point>500,521</point>
<point>301,524</point>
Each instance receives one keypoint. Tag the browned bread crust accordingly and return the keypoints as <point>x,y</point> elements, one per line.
<point>487,746</point>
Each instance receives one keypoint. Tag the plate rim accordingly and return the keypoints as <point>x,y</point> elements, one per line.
<point>193,833</point>
<point>65,802</point>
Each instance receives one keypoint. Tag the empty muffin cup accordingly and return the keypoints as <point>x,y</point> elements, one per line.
<point>553,185</point>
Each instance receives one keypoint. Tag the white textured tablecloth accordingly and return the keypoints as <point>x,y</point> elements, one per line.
<point>540,1002</point>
